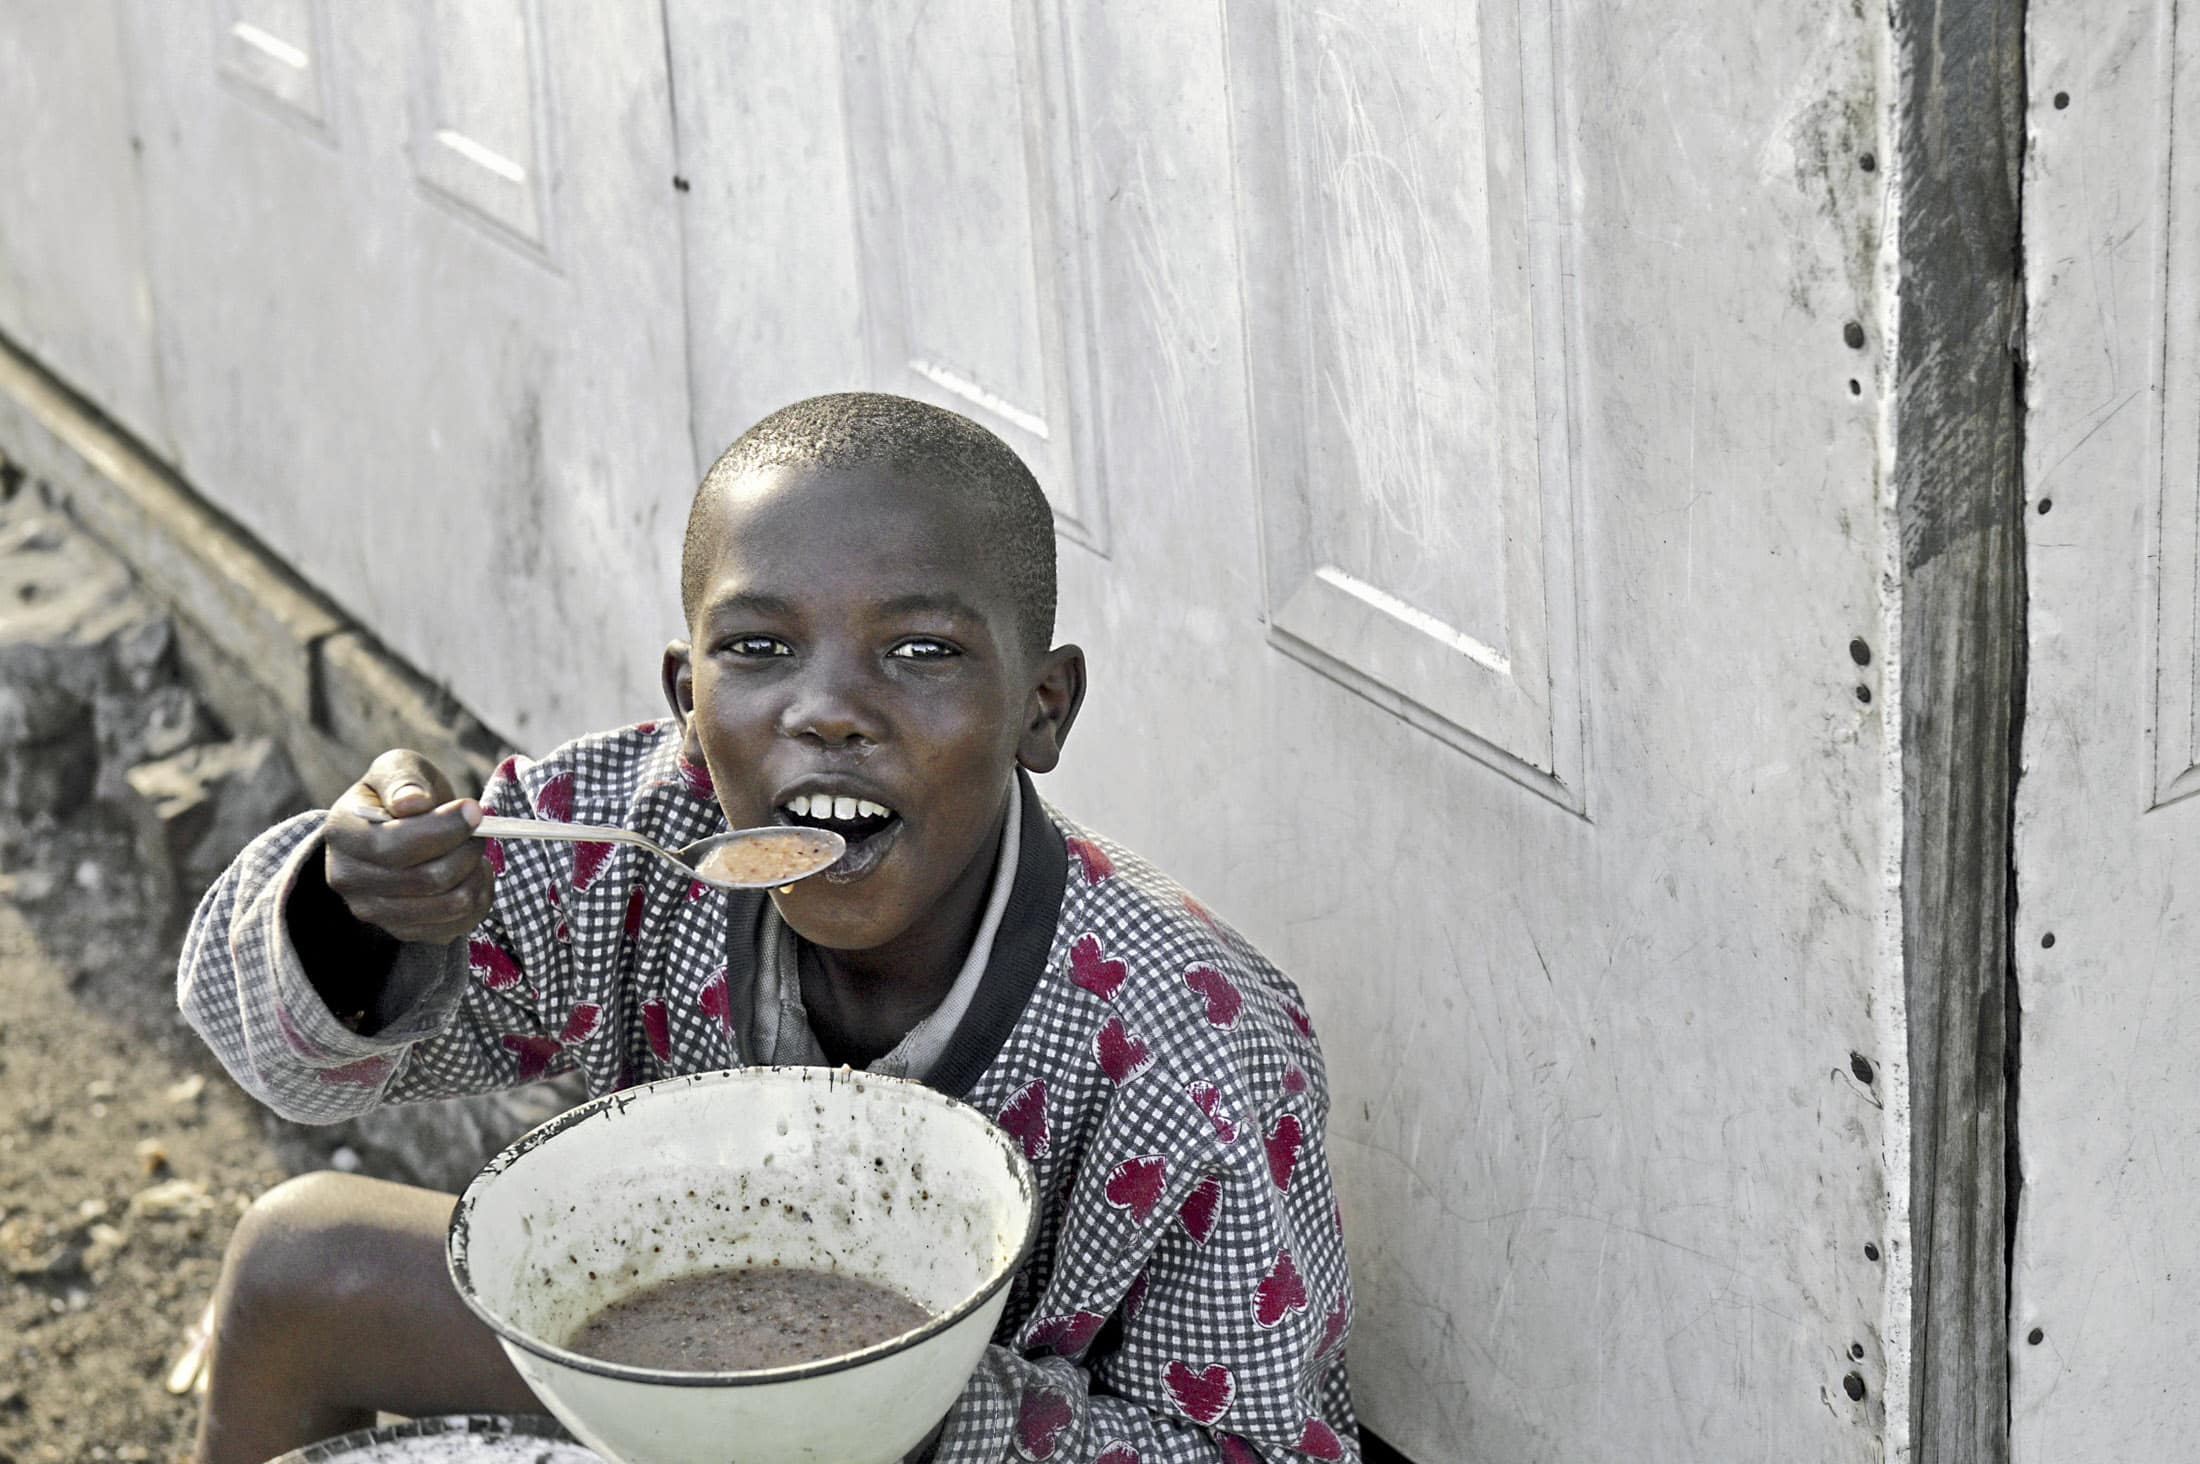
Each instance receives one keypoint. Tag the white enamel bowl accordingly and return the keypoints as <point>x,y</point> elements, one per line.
<point>883,1178</point>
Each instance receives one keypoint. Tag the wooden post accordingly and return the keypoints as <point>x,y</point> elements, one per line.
<point>1960,120</point>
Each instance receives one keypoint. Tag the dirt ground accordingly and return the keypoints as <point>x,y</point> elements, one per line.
<point>125,1158</point>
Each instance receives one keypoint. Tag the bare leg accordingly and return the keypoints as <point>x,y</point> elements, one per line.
<point>335,1302</point>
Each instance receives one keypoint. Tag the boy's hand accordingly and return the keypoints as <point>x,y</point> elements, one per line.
<point>402,855</point>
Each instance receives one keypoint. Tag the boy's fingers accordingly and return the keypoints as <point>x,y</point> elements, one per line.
<point>371,840</point>
<point>405,783</point>
<point>435,919</point>
<point>433,876</point>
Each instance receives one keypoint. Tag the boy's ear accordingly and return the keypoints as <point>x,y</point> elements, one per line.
<point>1052,709</point>
<point>679,683</point>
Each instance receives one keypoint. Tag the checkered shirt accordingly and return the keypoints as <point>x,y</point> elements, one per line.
<point>1187,1297</point>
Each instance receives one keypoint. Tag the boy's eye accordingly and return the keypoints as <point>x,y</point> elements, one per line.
<point>923,648</point>
<point>757,645</point>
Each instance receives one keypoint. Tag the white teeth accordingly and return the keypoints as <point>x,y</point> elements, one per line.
<point>826,805</point>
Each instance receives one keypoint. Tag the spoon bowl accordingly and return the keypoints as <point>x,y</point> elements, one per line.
<point>742,859</point>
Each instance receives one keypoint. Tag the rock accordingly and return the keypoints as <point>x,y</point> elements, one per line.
<point>152,1155</point>
<point>185,1091</point>
<point>345,1159</point>
<point>105,1242</point>
<point>171,1199</point>
<point>48,761</point>
<point>133,726</point>
<point>32,712</point>
<point>99,1088</point>
<point>197,809</point>
<point>90,1209</point>
<point>57,1263</point>
<point>29,886</point>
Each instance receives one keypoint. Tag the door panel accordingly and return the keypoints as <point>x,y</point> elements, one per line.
<point>428,342</point>
<point>1408,354</point>
<point>74,290</point>
<point>963,135</point>
<point>2107,1265</point>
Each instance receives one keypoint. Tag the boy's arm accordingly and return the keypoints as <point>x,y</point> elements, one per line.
<point>322,1015</point>
<point>1232,1331</point>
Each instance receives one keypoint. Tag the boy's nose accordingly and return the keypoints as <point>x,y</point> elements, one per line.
<point>831,707</point>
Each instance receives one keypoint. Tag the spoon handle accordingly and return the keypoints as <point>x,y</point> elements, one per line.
<point>493,827</point>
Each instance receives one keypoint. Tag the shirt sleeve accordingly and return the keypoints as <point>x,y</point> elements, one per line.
<point>476,1018</point>
<point>1226,1343</point>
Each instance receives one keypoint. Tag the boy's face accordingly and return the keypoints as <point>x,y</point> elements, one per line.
<point>855,642</point>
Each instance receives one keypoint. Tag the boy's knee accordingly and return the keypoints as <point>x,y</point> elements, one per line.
<point>309,1243</point>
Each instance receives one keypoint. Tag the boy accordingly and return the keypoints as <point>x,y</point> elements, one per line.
<point>869,591</point>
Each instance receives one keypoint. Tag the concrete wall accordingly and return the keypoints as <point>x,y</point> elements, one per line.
<point>1466,432</point>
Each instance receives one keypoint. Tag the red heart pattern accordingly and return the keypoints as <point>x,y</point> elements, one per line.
<point>1294,1079</point>
<point>1224,1001</point>
<point>1117,1452</point>
<point>1135,1184</point>
<point>1068,1335</point>
<point>696,777</point>
<point>581,1023</point>
<point>497,967</point>
<point>1300,1020</point>
<point>714,1000</point>
<point>1203,1395</point>
<point>1206,1097</point>
<point>1089,969</point>
<point>1284,1137</point>
<point>632,925</point>
<point>1025,1119</point>
<point>657,1026</point>
<point>1280,1292</point>
<point>493,851</point>
<point>1091,858</point>
<point>296,1040</point>
<point>534,1053</point>
<point>1333,1328</point>
<point>588,858</point>
<point>1318,1440</point>
<point>367,1072</point>
<point>1202,914</point>
<point>1236,1451</point>
<point>1040,1420</point>
<point>1122,1056</point>
<point>1197,1213</point>
<point>561,931</point>
<point>554,799</point>
<point>1135,1296</point>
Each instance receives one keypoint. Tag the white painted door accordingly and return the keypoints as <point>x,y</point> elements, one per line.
<point>2106,1290</point>
<point>419,321</point>
<point>1468,492</point>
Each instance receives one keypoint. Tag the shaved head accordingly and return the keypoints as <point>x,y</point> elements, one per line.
<point>909,439</point>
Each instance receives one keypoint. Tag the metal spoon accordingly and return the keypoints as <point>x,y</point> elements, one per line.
<point>823,845</point>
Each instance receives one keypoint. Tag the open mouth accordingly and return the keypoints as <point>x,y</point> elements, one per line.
<point>868,827</point>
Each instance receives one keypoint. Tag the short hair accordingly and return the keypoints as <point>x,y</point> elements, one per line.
<point>858,428</point>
